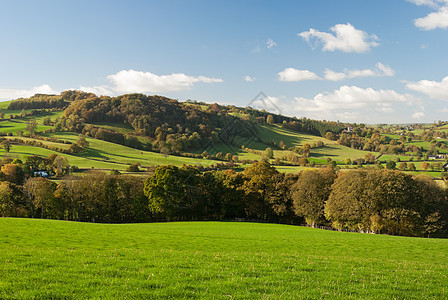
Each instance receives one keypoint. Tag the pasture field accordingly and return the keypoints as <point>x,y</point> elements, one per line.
<point>121,128</point>
<point>269,133</point>
<point>339,153</point>
<point>15,125</point>
<point>214,260</point>
<point>23,151</point>
<point>115,153</point>
<point>103,155</point>
<point>387,157</point>
<point>40,117</point>
<point>4,104</point>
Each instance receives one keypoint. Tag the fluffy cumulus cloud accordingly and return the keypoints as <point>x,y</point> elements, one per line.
<point>103,90</point>
<point>345,37</point>
<point>353,104</point>
<point>379,71</point>
<point>9,94</point>
<point>433,89</point>
<point>291,74</point>
<point>436,19</point>
<point>131,81</point>
<point>249,78</point>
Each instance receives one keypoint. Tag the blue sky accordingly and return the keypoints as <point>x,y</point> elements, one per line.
<point>374,61</point>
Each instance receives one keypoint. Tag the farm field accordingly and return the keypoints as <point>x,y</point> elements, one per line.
<point>23,151</point>
<point>7,126</point>
<point>269,133</point>
<point>339,153</point>
<point>104,155</point>
<point>59,259</point>
<point>110,152</point>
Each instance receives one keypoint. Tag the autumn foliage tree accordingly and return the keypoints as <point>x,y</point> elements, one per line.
<point>310,192</point>
<point>12,173</point>
<point>385,201</point>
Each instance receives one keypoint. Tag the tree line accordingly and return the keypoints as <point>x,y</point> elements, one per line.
<point>376,201</point>
<point>44,101</point>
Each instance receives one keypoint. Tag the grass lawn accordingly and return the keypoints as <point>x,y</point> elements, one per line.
<point>57,259</point>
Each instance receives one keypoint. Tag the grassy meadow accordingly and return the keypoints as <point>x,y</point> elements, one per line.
<point>59,259</point>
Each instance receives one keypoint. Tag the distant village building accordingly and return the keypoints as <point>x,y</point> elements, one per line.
<point>438,156</point>
<point>41,174</point>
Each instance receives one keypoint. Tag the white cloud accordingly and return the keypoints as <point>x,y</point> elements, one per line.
<point>384,70</point>
<point>353,97</point>
<point>379,71</point>
<point>432,3</point>
<point>98,90</point>
<point>131,81</point>
<point>346,38</point>
<point>249,78</point>
<point>437,19</point>
<point>270,43</point>
<point>418,115</point>
<point>352,104</point>
<point>433,89</point>
<point>334,76</point>
<point>10,94</point>
<point>291,74</point>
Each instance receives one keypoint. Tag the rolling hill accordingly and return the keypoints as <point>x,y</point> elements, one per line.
<point>155,130</point>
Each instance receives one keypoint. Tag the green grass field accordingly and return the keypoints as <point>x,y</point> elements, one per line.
<point>13,126</point>
<point>43,259</point>
<point>339,153</point>
<point>269,133</point>
<point>110,152</point>
<point>105,155</point>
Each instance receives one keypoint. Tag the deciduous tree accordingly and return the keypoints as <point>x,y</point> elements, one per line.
<point>310,193</point>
